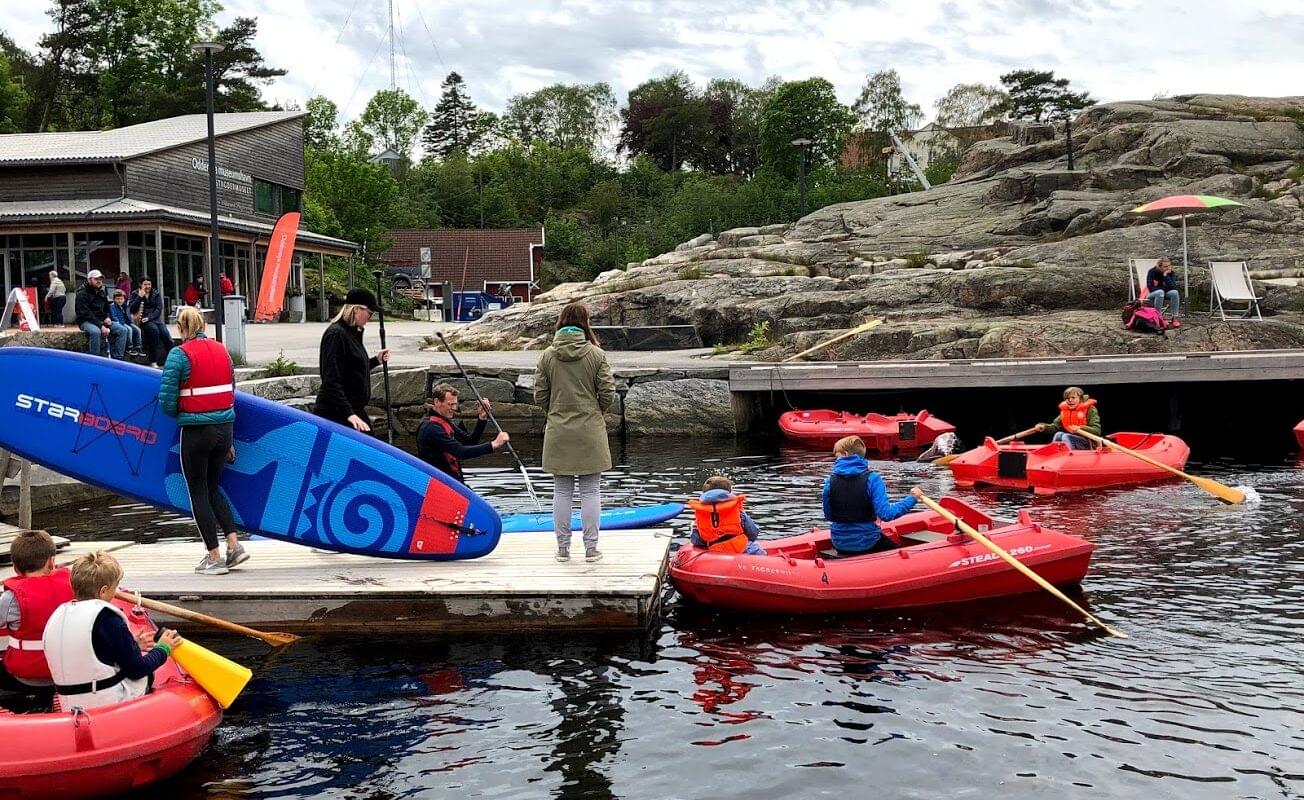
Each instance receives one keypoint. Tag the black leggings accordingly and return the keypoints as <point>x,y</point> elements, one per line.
<point>203,456</point>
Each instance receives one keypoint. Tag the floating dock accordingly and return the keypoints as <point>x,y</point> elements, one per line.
<point>520,586</point>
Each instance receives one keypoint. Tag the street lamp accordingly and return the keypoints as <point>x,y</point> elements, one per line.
<point>801,171</point>
<point>214,247</point>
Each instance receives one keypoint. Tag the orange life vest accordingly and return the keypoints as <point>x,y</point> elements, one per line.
<point>720,524</point>
<point>38,596</point>
<point>1076,417</point>
<point>211,385</point>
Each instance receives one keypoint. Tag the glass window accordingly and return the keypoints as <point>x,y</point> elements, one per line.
<point>289,200</point>
<point>264,197</point>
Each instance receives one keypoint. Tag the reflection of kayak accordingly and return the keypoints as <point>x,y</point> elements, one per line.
<point>882,434</point>
<point>935,566</point>
<point>613,519</point>
<point>109,750</point>
<point>1299,434</point>
<point>1051,468</point>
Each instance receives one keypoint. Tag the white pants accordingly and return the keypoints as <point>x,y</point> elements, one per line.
<point>563,494</point>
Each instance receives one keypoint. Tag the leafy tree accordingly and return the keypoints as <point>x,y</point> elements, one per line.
<point>454,124</point>
<point>734,117</point>
<point>391,119</point>
<point>65,95</point>
<point>882,107</point>
<point>806,109</point>
<point>13,100</point>
<point>562,115</point>
<point>319,127</point>
<point>238,70</point>
<point>667,119</point>
<point>969,104</point>
<point>359,198</point>
<point>1039,96</point>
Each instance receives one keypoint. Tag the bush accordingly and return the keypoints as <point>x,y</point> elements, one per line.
<point>281,367</point>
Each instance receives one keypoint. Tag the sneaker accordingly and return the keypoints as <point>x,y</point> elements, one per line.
<point>563,555</point>
<point>592,556</point>
<point>1177,323</point>
<point>209,566</point>
<point>236,557</point>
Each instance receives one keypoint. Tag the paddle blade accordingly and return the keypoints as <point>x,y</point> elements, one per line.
<point>944,460</point>
<point>279,639</point>
<point>219,676</point>
<point>1226,494</point>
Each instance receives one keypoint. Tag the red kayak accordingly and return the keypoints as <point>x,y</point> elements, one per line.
<point>1299,434</point>
<point>1052,468</point>
<point>108,750</point>
<point>887,435</point>
<point>935,565</point>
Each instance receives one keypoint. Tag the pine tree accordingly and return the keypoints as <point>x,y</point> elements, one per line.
<point>454,124</point>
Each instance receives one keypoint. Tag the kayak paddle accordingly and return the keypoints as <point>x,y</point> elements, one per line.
<point>274,639</point>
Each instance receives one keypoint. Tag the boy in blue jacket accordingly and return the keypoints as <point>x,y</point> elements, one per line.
<point>855,498</point>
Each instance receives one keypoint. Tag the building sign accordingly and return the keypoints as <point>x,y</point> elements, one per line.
<point>233,180</point>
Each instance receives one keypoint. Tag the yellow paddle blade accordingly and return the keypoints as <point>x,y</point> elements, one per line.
<point>219,676</point>
<point>1224,493</point>
<point>944,460</point>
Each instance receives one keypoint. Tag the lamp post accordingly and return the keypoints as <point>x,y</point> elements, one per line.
<point>214,246</point>
<point>801,172</point>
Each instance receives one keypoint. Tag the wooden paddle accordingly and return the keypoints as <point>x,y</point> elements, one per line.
<point>1019,565</point>
<point>1224,493</point>
<point>274,639</point>
<point>873,323</point>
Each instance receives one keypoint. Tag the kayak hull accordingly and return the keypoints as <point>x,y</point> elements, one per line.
<point>881,433</point>
<point>936,567</point>
<point>1299,434</point>
<point>110,750</point>
<point>612,519</point>
<point>1054,468</point>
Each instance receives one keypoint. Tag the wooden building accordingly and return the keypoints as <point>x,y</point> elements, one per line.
<point>135,200</point>
<point>474,260</point>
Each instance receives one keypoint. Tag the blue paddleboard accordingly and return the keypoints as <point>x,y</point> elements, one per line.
<point>613,519</point>
<point>296,477</point>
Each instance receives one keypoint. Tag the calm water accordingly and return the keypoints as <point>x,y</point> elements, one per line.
<point>1205,700</point>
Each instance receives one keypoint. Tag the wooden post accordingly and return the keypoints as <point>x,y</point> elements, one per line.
<point>25,494</point>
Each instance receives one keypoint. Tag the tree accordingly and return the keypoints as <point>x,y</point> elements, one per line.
<point>455,123</point>
<point>667,119</point>
<point>65,95</point>
<point>806,109</point>
<point>969,104</point>
<point>358,197</point>
<point>391,119</point>
<point>320,125</point>
<point>1039,96</point>
<point>882,108</point>
<point>13,100</point>
<point>734,117</point>
<point>563,115</point>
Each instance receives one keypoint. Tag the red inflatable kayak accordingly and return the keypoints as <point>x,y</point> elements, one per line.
<point>887,435</point>
<point>1052,468</point>
<point>109,750</point>
<point>936,565</point>
<point>1299,434</point>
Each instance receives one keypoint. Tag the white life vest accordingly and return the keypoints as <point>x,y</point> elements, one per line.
<point>89,683</point>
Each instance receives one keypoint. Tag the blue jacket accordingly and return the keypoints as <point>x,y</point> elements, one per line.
<point>1156,279</point>
<point>118,313</point>
<point>857,537</point>
<point>176,370</point>
<point>715,496</point>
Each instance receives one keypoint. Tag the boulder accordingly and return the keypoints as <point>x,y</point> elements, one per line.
<point>695,242</point>
<point>495,390</point>
<point>70,339</point>
<point>282,388</point>
<point>407,387</point>
<point>730,237</point>
<point>688,407</point>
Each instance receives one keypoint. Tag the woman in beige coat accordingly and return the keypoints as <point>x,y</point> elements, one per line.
<point>574,387</point>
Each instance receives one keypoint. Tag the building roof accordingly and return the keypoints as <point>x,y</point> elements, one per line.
<point>117,209</point>
<point>489,255</point>
<point>119,144</point>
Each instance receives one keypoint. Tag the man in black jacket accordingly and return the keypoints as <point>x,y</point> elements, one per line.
<point>149,304</point>
<point>92,307</point>
<point>445,444</point>
<point>344,366</point>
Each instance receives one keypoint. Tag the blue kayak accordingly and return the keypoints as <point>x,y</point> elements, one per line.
<point>613,519</point>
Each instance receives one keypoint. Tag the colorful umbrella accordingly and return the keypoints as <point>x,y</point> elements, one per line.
<point>1184,204</point>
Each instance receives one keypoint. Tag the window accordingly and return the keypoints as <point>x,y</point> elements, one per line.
<point>264,197</point>
<point>289,200</point>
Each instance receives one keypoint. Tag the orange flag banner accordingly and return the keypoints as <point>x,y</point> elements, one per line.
<point>276,269</point>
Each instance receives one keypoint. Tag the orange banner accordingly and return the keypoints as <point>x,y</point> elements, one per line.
<point>276,269</point>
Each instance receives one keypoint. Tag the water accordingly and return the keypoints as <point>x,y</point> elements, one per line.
<point>1016,697</point>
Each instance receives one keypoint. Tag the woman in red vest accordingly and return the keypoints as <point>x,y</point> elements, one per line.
<point>198,389</point>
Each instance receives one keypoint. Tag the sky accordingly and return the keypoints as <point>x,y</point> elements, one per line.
<point>1115,49</point>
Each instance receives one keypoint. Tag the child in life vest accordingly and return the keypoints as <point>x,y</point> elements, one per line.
<point>1077,413</point>
<point>94,659</point>
<point>719,522</point>
<point>29,598</point>
<point>855,499</point>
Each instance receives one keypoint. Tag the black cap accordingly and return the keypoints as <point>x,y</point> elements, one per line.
<point>361,297</point>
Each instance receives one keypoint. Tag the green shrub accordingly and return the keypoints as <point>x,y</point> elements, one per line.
<point>919,258</point>
<point>690,273</point>
<point>280,366</point>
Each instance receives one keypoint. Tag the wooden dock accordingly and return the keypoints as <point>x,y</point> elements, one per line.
<point>518,587</point>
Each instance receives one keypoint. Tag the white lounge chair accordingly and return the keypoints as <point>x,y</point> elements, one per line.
<point>1229,282</point>
<point>1139,267</point>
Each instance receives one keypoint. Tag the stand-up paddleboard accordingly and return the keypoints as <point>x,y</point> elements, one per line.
<point>613,519</point>
<point>296,477</point>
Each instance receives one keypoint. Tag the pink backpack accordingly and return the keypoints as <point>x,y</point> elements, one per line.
<point>1142,318</point>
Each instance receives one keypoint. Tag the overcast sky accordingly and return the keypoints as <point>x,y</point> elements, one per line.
<point>1116,49</point>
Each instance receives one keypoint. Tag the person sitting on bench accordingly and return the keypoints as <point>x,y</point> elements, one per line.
<point>855,499</point>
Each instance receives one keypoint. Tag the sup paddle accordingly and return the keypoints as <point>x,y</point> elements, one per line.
<point>1224,493</point>
<point>529,487</point>
<point>873,323</point>
<point>274,639</point>
<point>1019,565</point>
<point>384,365</point>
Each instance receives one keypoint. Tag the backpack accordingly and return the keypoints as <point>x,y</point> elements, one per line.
<point>1141,318</point>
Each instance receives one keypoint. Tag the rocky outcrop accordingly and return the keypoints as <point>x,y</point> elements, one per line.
<point>688,407</point>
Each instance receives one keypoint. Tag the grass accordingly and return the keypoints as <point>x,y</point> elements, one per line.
<point>281,366</point>
<point>690,273</point>
<point>919,258</point>
<point>1296,173</point>
<point>758,338</point>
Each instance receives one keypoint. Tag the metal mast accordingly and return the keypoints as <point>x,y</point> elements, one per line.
<point>393,69</point>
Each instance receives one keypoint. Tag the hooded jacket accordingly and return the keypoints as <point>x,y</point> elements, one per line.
<point>857,537</point>
<point>574,387</point>
<point>716,496</point>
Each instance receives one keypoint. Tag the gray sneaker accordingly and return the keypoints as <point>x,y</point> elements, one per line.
<point>208,566</point>
<point>236,557</point>
<point>592,556</point>
<point>563,555</point>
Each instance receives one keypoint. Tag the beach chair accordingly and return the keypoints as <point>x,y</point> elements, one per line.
<point>1229,282</point>
<point>1136,290</point>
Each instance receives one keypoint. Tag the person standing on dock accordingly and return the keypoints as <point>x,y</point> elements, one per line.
<point>445,444</point>
<point>198,389</point>
<point>574,387</point>
<point>344,365</point>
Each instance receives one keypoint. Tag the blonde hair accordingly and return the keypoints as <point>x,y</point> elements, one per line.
<point>93,572</point>
<point>717,482</point>
<point>849,445</point>
<point>190,322</point>
<point>1074,390</point>
<point>347,312</point>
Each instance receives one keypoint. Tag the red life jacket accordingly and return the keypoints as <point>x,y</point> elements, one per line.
<point>1076,417</point>
<point>720,524</point>
<point>451,465</point>
<point>211,385</point>
<point>38,597</point>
